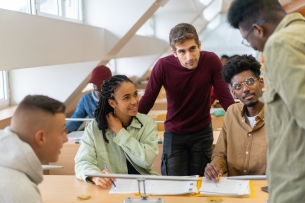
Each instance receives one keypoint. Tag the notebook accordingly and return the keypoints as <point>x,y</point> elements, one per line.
<point>155,187</point>
<point>225,187</point>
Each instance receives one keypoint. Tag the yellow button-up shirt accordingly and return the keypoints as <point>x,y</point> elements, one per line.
<point>284,99</point>
<point>241,150</point>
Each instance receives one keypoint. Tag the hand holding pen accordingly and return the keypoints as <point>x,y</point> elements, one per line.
<point>104,182</point>
<point>114,185</point>
<point>212,172</point>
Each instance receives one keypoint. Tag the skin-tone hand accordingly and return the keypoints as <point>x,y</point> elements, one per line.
<point>211,172</point>
<point>114,124</point>
<point>104,182</point>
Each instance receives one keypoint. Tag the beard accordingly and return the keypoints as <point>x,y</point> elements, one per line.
<point>251,104</point>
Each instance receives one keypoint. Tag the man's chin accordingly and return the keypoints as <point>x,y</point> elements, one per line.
<point>251,104</point>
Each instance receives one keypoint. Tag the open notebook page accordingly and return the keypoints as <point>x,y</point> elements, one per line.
<point>155,187</point>
<point>224,186</point>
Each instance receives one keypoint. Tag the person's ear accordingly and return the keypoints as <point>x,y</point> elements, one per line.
<point>40,137</point>
<point>261,82</point>
<point>112,103</point>
<point>174,52</point>
<point>258,30</point>
<point>199,45</point>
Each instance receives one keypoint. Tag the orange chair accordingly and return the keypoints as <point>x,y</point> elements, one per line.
<point>160,117</point>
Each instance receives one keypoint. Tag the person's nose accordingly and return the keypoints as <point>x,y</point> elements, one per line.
<point>134,100</point>
<point>245,87</point>
<point>65,138</point>
<point>189,56</point>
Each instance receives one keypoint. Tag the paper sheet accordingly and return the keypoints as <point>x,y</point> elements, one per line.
<point>154,187</point>
<point>225,187</point>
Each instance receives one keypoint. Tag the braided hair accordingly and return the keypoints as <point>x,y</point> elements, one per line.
<point>103,107</point>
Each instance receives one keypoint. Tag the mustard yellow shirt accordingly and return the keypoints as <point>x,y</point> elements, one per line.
<point>240,149</point>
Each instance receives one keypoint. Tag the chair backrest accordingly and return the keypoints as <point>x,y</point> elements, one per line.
<point>160,117</point>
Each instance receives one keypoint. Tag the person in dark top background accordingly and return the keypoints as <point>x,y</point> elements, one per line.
<point>87,104</point>
<point>187,76</point>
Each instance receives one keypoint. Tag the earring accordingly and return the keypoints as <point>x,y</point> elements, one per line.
<point>113,111</point>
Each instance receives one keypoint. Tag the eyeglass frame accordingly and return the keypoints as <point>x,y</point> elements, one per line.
<point>242,83</point>
<point>260,22</point>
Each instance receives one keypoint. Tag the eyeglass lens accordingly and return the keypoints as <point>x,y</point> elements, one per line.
<point>248,82</point>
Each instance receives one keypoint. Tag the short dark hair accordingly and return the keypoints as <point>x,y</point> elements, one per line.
<point>239,64</point>
<point>246,12</point>
<point>41,102</point>
<point>182,32</point>
<point>224,56</point>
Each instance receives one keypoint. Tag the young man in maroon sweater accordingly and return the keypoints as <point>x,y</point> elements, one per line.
<point>187,76</point>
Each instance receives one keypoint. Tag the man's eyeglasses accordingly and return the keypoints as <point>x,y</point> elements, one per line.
<point>249,82</point>
<point>245,42</point>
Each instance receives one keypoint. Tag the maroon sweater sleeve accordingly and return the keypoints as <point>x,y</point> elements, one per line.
<point>220,87</point>
<point>152,90</point>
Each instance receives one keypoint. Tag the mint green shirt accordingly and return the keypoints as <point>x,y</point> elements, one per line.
<point>137,144</point>
<point>284,100</point>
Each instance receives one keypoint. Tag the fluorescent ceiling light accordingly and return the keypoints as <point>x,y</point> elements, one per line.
<point>212,10</point>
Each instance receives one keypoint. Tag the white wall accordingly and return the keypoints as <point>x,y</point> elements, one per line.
<point>32,41</point>
<point>135,66</point>
<point>55,81</point>
<point>224,40</point>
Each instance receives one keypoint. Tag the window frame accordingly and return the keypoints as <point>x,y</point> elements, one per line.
<point>35,9</point>
<point>6,101</point>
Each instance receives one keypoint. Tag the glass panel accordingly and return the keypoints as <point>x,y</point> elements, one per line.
<point>49,6</point>
<point>1,85</point>
<point>72,9</point>
<point>15,5</point>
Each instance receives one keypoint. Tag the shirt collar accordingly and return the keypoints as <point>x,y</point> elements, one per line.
<point>260,115</point>
<point>287,20</point>
<point>135,123</point>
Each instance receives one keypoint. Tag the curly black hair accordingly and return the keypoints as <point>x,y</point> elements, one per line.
<point>239,64</point>
<point>246,12</point>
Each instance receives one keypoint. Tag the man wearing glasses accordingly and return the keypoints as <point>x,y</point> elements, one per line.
<point>87,104</point>
<point>267,27</point>
<point>241,146</point>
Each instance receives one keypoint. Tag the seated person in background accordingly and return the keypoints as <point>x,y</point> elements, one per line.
<point>35,136</point>
<point>87,104</point>
<point>241,147</point>
<point>119,137</point>
<point>224,58</point>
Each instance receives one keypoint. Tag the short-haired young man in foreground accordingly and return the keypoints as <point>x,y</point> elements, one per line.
<point>35,137</point>
<point>241,146</point>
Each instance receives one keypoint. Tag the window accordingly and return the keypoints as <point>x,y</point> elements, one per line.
<point>4,101</point>
<point>16,5</point>
<point>69,10</point>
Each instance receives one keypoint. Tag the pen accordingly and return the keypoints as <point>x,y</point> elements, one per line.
<point>114,185</point>
<point>218,177</point>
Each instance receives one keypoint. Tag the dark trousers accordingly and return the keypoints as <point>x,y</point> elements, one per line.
<point>187,154</point>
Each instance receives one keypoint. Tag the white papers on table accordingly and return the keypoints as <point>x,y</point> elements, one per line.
<point>225,187</point>
<point>155,187</point>
<point>75,135</point>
